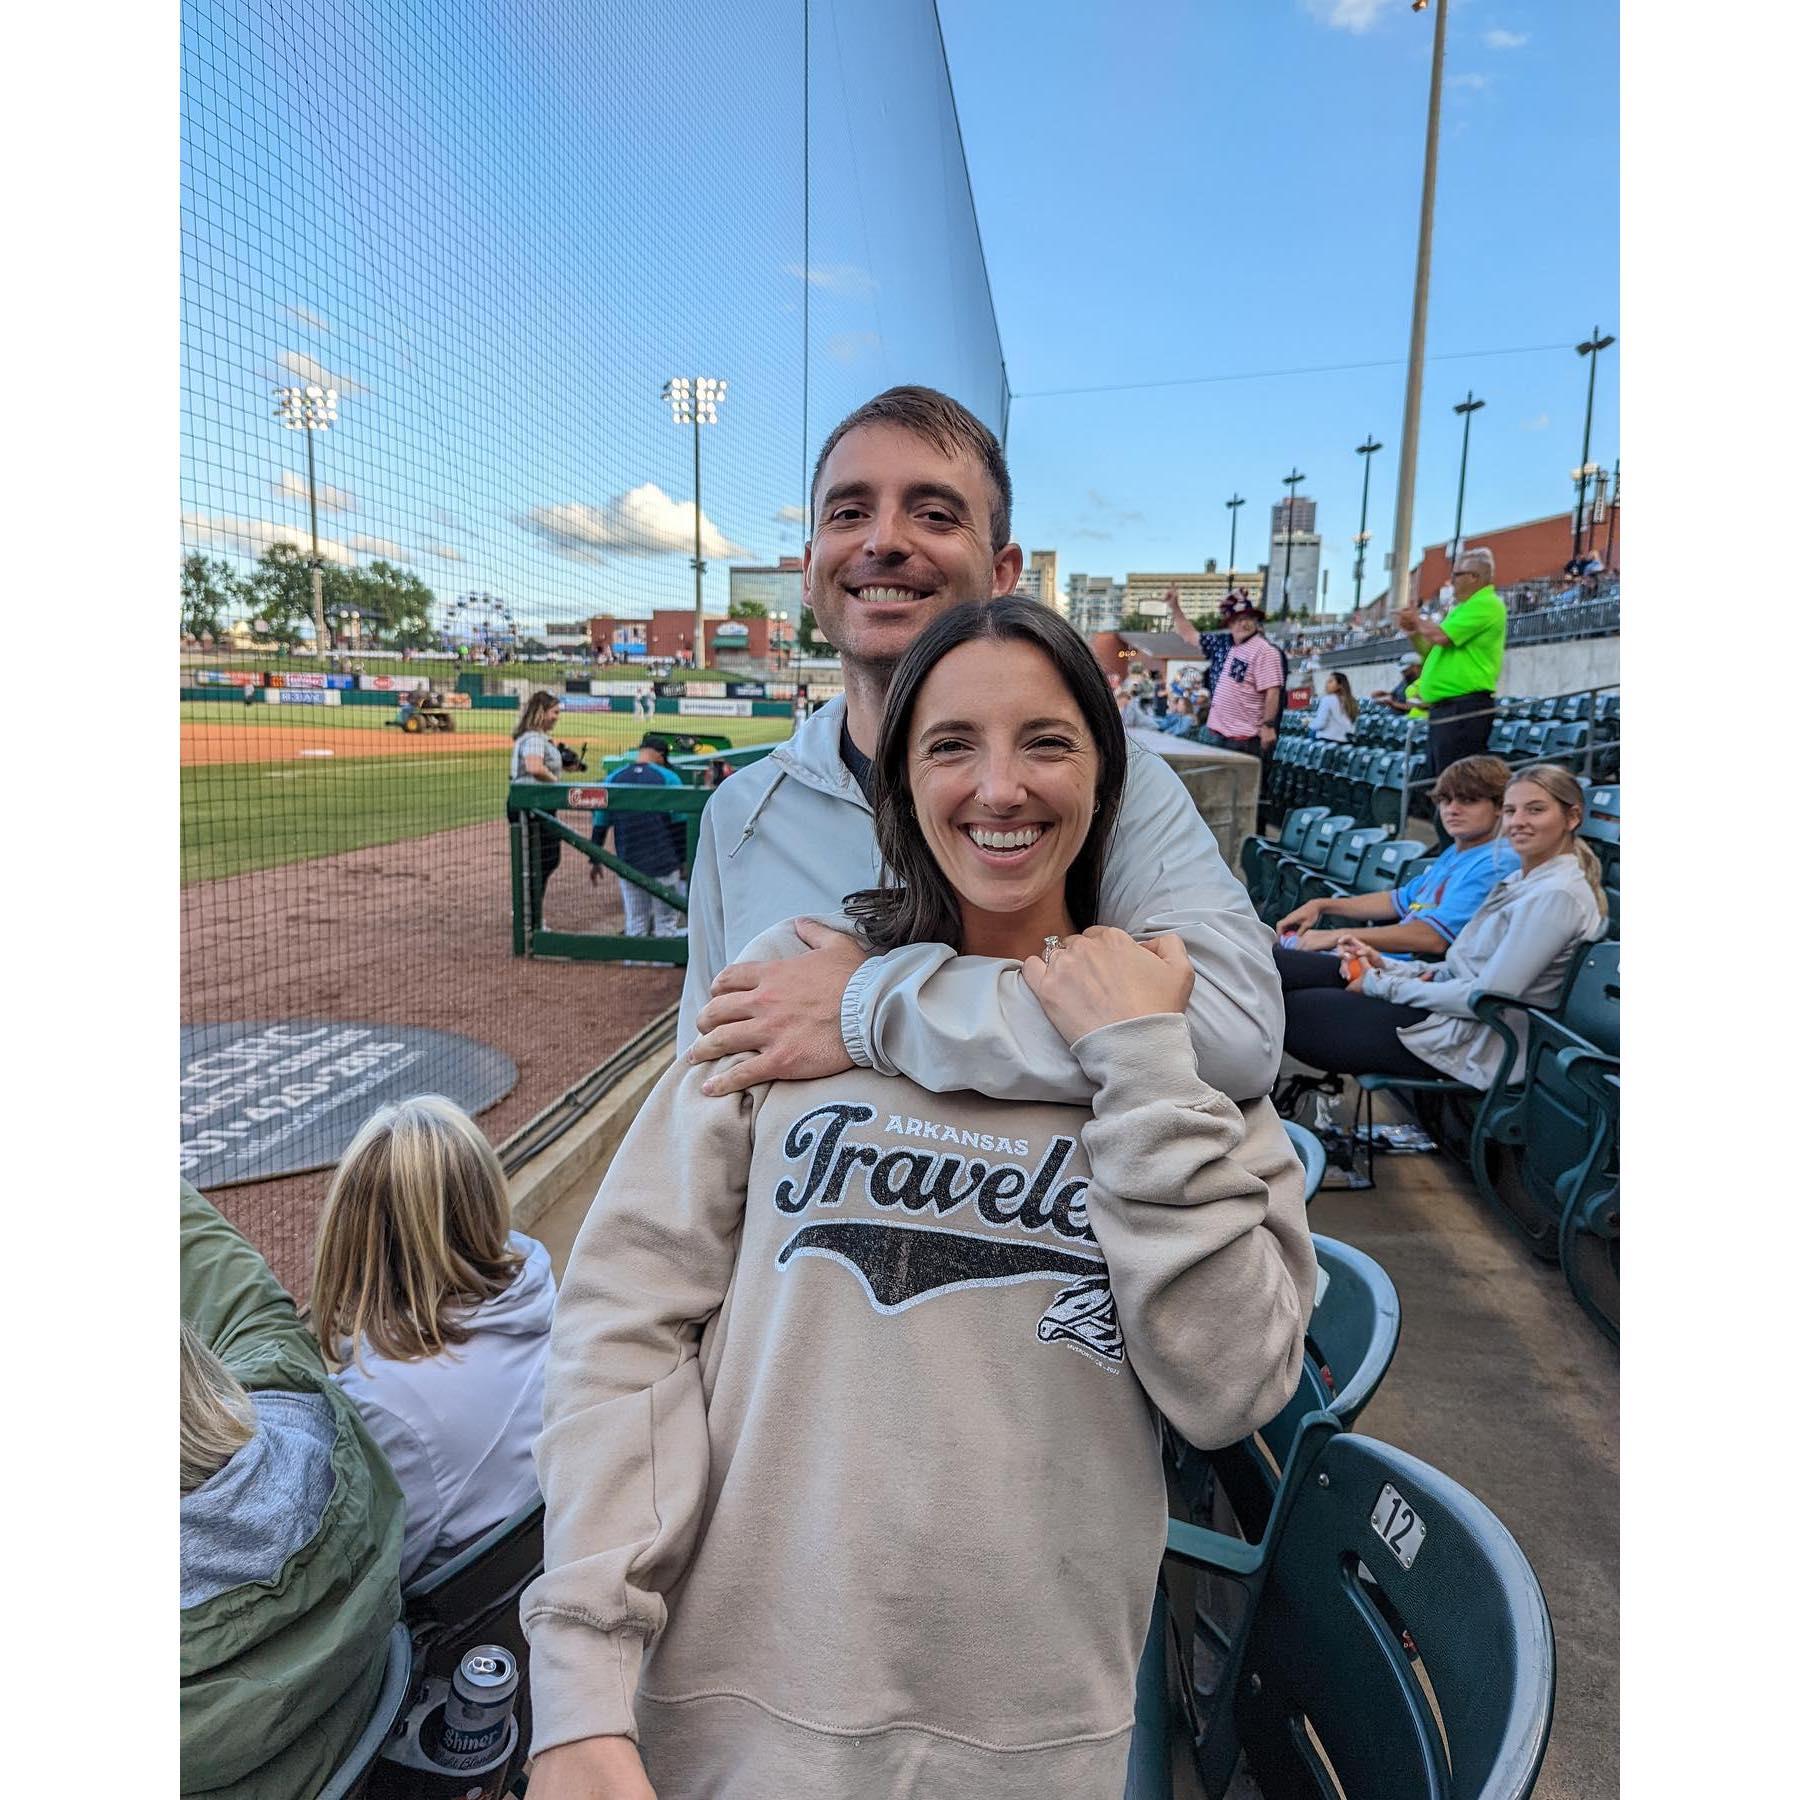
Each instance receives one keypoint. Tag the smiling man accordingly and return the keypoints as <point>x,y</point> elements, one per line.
<point>912,509</point>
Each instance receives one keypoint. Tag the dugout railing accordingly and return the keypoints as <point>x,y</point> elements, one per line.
<point>532,814</point>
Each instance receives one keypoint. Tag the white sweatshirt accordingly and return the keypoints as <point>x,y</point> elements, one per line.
<point>850,1457</point>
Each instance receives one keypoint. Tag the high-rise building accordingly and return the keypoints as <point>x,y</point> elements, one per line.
<point>777,587</point>
<point>1096,603</point>
<point>1200,592</point>
<point>1042,570</point>
<point>1302,575</point>
<point>1305,515</point>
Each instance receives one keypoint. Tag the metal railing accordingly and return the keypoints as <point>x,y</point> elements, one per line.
<point>1544,625</point>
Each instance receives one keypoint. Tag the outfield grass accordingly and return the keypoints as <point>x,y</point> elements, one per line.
<point>240,816</point>
<point>548,675</point>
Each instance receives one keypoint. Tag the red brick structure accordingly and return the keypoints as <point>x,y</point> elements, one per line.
<point>1534,551</point>
<point>670,633</point>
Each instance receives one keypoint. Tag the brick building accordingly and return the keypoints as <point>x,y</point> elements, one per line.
<point>669,632</point>
<point>1534,551</point>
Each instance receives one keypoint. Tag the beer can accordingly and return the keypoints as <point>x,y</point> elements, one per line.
<point>478,1707</point>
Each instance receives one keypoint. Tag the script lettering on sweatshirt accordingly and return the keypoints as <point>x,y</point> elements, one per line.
<point>834,1164</point>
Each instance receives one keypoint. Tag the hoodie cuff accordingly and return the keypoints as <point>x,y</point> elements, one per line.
<point>1138,1060</point>
<point>583,1682</point>
<point>850,1014</point>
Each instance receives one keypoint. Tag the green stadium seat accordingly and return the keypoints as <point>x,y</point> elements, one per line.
<point>1394,1644</point>
<point>1538,1142</point>
<point>1315,849</point>
<point>1365,781</point>
<point>1588,1243</point>
<point>1311,1153</point>
<point>351,1779</point>
<point>1600,830</point>
<point>1396,860</point>
<point>1548,709</point>
<point>1386,803</point>
<point>1612,915</point>
<point>1574,707</point>
<point>1531,740</point>
<point>1348,848</point>
<point>1503,737</point>
<point>1567,744</point>
<point>1259,856</point>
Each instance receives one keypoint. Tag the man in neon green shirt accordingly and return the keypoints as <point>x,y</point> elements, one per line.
<point>1462,661</point>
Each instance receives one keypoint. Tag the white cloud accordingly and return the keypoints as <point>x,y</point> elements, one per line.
<point>251,537</point>
<point>384,547</point>
<point>1540,423</point>
<point>292,486</point>
<point>1498,39</point>
<point>644,522</point>
<point>845,279</point>
<point>306,368</point>
<point>1350,15</point>
<point>790,515</point>
<point>850,346</point>
<point>307,316</point>
<point>444,552</point>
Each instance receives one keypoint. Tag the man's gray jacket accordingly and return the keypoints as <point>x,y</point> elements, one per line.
<point>792,835</point>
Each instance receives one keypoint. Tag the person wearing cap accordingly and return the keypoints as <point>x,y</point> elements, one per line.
<point>1462,660</point>
<point>1400,700</point>
<point>654,843</point>
<point>1247,697</point>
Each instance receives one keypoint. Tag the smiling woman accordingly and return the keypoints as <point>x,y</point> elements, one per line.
<point>998,776</point>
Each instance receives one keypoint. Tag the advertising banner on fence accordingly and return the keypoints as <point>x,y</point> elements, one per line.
<point>235,678</point>
<point>747,690</point>
<point>714,709</point>
<point>304,697</point>
<point>393,684</point>
<point>454,702</point>
<point>304,680</point>
<point>597,703</point>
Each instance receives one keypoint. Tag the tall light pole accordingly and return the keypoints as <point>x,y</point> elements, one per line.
<point>1612,513</point>
<point>1290,482</point>
<point>1366,450</point>
<point>1467,409</point>
<point>311,409</point>
<point>781,620</point>
<point>695,400</point>
<point>1591,350</point>
<point>1232,506</point>
<point>1400,591</point>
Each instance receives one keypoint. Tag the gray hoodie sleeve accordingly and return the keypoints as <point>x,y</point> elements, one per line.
<point>952,1023</point>
<point>1535,936</point>
<point>705,930</point>
<point>1200,1210</point>
<point>623,1459</point>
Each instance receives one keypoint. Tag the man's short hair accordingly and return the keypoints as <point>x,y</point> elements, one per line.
<point>1479,554</point>
<point>652,740</point>
<point>948,426</point>
<point>1472,778</point>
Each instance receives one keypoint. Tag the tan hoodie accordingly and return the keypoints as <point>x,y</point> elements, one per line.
<point>849,1447</point>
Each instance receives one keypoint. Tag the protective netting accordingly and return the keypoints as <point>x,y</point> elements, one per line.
<point>456,250</point>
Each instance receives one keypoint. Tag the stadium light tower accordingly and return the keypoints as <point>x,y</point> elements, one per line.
<point>1290,482</point>
<point>1400,590</point>
<point>1366,450</point>
<point>309,409</point>
<point>1466,410</point>
<point>1232,506</point>
<point>1591,350</point>
<point>695,400</point>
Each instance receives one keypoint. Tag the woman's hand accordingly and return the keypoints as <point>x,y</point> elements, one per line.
<point>1319,940</point>
<point>1352,951</point>
<point>596,1768</point>
<point>1303,918</point>
<point>1105,976</point>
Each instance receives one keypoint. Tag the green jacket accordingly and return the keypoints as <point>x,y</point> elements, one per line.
<point>278,1679</point>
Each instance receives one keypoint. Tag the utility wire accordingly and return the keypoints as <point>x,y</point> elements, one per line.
<point>1385,362</point>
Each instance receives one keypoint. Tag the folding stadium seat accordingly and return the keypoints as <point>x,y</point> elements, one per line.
<point>1574,707</point>
<point>1334,774</point>
<point>1315,848</point>
<point>1355,776</point>
<point>1387,805</point>
<point>1600,830</point>
<point>1612,915</point>
<point>1567,744</point>
<point>1259,856</point>
<point>1588,1242</point>
<point>1531,740</point>
<point>1606,715</point>
<point>1364,783</point>
<point>1547,710</point>
<point>1503,735</point>
<point>1389,863</point>
<point>352,1774</point>
<point>1390,1639</point>
<point>1537,1144</point>
<point>1338,876</point>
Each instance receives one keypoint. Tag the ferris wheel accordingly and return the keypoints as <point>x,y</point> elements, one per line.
<point>484,620</point>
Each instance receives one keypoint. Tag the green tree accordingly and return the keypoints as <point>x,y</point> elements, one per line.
<point>811,644</point>
<point>748,609</point>
<point>209,588</point>
<point>394,604</point>
<point>280,591</point>
<point>1137,622</point>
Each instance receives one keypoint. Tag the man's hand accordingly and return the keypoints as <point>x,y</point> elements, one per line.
<point>785,1013</point>
<point>1105,976</point>
<point>1407,618</point>
<point>1303,918</point>
<point>1266,736</point>
<point>1319,940</point>
<point>596,1768</point>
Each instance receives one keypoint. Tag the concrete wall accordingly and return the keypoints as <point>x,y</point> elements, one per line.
<point>1224,787</point>
<point>1530,669</point>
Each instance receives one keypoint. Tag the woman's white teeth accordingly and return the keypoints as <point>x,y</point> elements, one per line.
<point>1006,840</point>
<point>886,596</point>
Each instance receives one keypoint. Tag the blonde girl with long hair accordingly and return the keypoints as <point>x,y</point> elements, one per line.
<point>535,757</point>
<point>1334,718</point>
<point>434,1315</point>
<point>1416,1020</point>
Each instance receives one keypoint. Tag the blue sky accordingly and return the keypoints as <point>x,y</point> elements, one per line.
<point>499,229</point>
<point>1221,188</point>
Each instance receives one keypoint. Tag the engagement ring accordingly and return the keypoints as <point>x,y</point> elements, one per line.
<point>1051,945</point>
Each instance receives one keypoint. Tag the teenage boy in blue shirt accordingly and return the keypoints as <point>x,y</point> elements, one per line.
<point>1423,915</point>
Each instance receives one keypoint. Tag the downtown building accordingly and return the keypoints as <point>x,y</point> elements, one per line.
<point>1200,592</point>
<point>1037,581</point>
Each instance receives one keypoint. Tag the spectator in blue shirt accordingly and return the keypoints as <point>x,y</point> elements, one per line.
<point>1423,915</point>
<point>653,843</point>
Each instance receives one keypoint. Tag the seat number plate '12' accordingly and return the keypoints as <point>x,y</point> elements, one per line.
<point>1397,1525</point>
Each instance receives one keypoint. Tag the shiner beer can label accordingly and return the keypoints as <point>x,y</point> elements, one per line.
<point>478,1707</point>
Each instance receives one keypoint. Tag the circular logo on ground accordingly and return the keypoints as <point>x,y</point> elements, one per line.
<point>276,1097</point>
